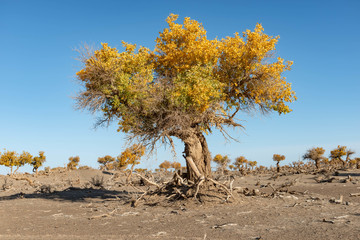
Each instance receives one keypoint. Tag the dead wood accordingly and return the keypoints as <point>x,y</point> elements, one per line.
<point>179,187</point>
<point>354,194</point>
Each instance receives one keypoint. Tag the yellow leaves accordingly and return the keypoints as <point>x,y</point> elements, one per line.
<point>12,158</point>
<point>132,155</point>
<point>182,46</point>
<point>186,72</point>
<point>196,89</point>
<point>278,157</point>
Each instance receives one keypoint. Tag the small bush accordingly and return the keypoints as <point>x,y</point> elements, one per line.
<point>73,163</point>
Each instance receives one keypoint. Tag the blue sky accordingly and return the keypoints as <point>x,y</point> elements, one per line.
<point>38,66</point>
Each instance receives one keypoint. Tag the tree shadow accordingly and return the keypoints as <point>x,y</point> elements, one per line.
<point>74,194</point>
<point>345,174</point>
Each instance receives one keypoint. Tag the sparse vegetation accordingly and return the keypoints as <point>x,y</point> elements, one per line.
<point>277,158</point>
<point>316,155</point>
<point>165,165</point>
<point>38,161</point>
<point>131,156</point>
<point>222,162</point>
<point>106,162</point>
<point>73,163</point>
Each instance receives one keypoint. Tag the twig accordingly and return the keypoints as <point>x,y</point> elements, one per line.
<point>147,180</point>
<point>223,186</point>
<point>135,203</point>
<point>103,215</point>
<point>354,194</point>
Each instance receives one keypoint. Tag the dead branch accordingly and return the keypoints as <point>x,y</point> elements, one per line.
<point>201,181</point>
<point>103,215</point>
<point>147,180</point>
<point>223,186</point>
<point>354,194</point>
<point>31,183</point>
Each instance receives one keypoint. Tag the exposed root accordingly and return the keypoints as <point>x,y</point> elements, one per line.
<point>31,183</point>
<point>180,188</point>
<point>147,180</point>
<point>197,186</point>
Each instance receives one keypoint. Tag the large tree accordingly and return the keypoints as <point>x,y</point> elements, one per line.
<point>187,86</point>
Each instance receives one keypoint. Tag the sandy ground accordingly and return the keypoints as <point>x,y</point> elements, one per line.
<point>66,205</point>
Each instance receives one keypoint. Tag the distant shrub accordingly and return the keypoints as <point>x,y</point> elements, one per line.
<point>106,162</point>
<point>73,163</point>
<point>252,164</point>
<point>337,154</point>
<point>140,170</point>
<point>97,181</point>
<point>316,155</point>
<point>38,161</point>
<point>12,159</point>
<point>277,158</point>
<point>131,156</point>
<point>240,163</point>
<point>222,162</point>
<point>176,166</point>
<point>84,168</point>
<point>165,165</point>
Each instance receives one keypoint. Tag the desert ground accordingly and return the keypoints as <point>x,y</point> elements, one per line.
<point>94,204</point>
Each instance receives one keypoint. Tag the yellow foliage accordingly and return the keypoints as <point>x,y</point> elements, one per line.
<point>38,161</point>
<point>186,72</point>
<point>11,159</point>
<point>132,155</point>
<point>176,165</point>
<point>278,157</point>
<point>73,163</point>
<point>165,165</point>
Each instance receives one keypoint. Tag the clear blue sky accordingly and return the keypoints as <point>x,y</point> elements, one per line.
<point>38,66</point>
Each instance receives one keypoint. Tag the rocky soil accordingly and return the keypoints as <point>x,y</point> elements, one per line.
<point>91,204</point>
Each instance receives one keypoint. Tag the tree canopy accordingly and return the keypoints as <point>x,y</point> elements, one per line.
<point>186,86</point>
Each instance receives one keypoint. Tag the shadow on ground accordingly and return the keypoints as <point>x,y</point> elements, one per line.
<point>74,194</point>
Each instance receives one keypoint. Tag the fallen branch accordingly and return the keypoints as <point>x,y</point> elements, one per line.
<point>198,187</point>
<point>223,186</point>
<point>31,183</point>
<point>103,215</point>
<point>354,194</point>
<point>147,180</point>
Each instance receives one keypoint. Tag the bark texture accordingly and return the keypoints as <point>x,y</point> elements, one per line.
<point>197,155</point>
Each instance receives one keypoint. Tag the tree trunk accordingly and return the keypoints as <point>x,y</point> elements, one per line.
<point>317,163</point>
<point>197,156</point>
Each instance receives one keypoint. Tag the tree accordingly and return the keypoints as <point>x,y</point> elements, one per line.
<point>106,162</point>
<point>187,86</point>
<point>13,159</point>
<point>357,160</point>
<point>131,156</point>
<point>9,159</point>
<point>165,165</point>
<point>252,164</point>
<point>349,153</point>
<point>277,158</point>
<point>222,162</point>
<point>73,163</point>
<point>176,166</point>
<point>38,161</point>
<point>316,155</point>
<point>240,162</point>
<point>121,163</point>
<point>24,158</point>
<point>337,154</point>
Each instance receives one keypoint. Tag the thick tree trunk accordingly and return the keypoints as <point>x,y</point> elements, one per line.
<point>197,156</point>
